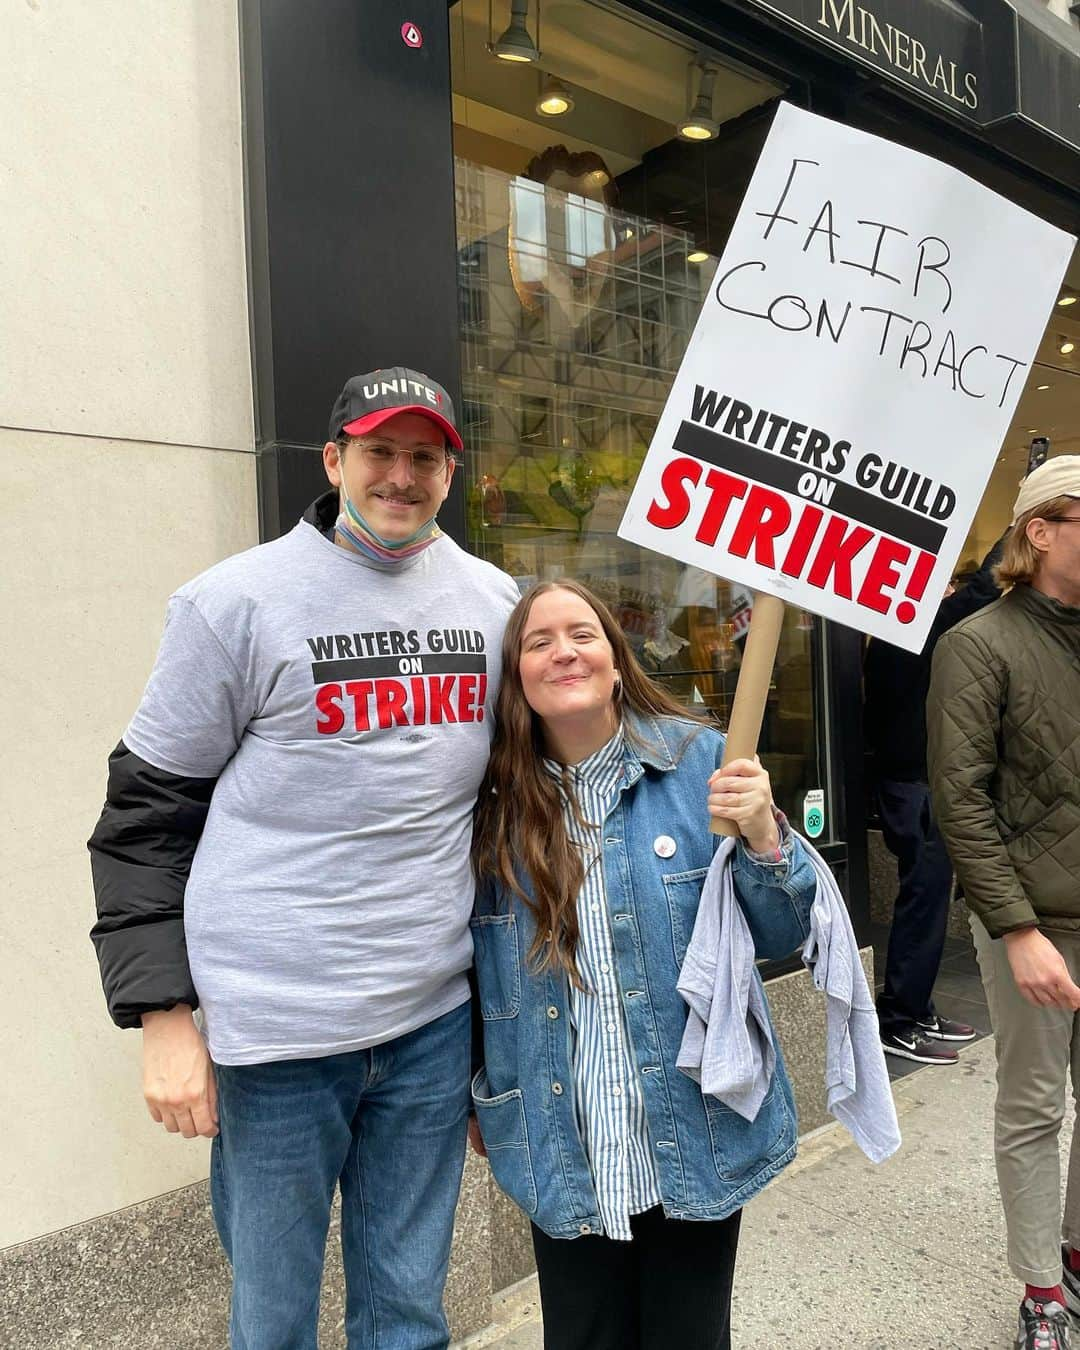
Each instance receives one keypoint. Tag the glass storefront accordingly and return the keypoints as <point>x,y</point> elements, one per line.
<point>1049,406</point>
<point>1047,420</point>
<point>586,243</point>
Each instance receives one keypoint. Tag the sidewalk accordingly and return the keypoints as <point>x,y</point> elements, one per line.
<point>905,1256</point>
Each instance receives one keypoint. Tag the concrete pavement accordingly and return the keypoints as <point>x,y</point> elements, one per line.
<point>905,1256</point>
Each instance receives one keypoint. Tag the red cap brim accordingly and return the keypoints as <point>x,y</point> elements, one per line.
<point>375,419</point>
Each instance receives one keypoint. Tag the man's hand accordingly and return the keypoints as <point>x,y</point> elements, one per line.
<point>178,1077</point>
<point>476,1139</point>
<point>1040,971</point>
<point>741,792</point>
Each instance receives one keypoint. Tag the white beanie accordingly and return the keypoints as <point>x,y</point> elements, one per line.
<point>1058,477</point>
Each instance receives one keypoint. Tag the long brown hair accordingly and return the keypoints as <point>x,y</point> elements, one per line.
<point>1020,559</point>
<point>519,819</point>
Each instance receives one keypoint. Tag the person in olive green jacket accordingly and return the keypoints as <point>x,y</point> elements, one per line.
<point>1003,724</point>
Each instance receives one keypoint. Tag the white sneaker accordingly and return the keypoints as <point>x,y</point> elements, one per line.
<point>1043,1326</point>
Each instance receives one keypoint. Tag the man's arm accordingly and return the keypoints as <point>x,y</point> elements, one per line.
<point>963,720</point>
<point>161,779</point>
<point>140,856</point>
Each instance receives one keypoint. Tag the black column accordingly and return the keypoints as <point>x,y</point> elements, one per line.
<point>351,231</point>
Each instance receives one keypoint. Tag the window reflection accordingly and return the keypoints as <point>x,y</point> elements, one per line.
<point>578,297</point>
<point>575,316</point>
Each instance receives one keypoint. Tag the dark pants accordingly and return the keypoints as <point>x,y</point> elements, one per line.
<point>917,938</point>
<point>670,1286</point>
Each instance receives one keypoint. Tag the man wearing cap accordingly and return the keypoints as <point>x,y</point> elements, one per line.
<point>1003,720</point>
<point>285,846</point>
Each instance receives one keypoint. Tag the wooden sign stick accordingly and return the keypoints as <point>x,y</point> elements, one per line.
<point>755,675</point>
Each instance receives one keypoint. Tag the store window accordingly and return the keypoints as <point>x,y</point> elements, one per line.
<point>586,243</point>
<point>1047,420</point>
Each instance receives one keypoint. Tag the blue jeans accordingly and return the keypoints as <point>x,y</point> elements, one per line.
<point>388,1125</point>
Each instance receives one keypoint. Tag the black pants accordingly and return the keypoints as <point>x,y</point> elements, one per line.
<point>670,1287</point>
<point>917,937</point>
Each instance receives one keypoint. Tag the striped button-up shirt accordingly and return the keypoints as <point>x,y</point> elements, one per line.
<point>608,1098</point>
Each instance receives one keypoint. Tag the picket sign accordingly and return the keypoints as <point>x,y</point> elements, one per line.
<point>846,389</point>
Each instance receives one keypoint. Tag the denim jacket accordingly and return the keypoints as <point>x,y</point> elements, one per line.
<point>709,1160</point>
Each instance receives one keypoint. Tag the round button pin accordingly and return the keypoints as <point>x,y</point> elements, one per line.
<point>664,846</point>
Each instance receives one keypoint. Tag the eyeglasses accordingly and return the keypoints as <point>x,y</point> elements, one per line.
<point>427,460</point>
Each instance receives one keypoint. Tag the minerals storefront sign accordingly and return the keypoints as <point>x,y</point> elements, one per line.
<point>905,49</point>
<point>934,48</point>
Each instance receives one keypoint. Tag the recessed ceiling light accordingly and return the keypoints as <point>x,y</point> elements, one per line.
<point>1033,431</point>
<point>1066,346</point>
<point>1067,300</point>
<point>698,256</point>
<point>1042,386</point>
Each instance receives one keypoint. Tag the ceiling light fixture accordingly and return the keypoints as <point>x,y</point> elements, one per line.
<point>555,99</point>
<point>1042,386</point>
<point>516,43</point>
<point>698,125</point>
<point>698,256</point>
<point>1065,346</point>
<point>1067,300</point>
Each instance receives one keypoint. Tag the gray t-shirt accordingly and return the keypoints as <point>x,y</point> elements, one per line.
<point>348,711</point>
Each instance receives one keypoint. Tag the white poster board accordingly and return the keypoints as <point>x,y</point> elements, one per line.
<point>850,379</point>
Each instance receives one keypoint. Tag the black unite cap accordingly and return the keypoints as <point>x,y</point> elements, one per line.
<point>369,400</point>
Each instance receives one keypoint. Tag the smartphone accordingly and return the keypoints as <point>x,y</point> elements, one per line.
<point>1038,451</point>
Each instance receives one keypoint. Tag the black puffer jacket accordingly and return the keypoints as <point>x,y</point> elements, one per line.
<point>140,857</point>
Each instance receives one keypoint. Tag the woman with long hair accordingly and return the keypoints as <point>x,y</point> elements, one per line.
<point>591,847</point>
